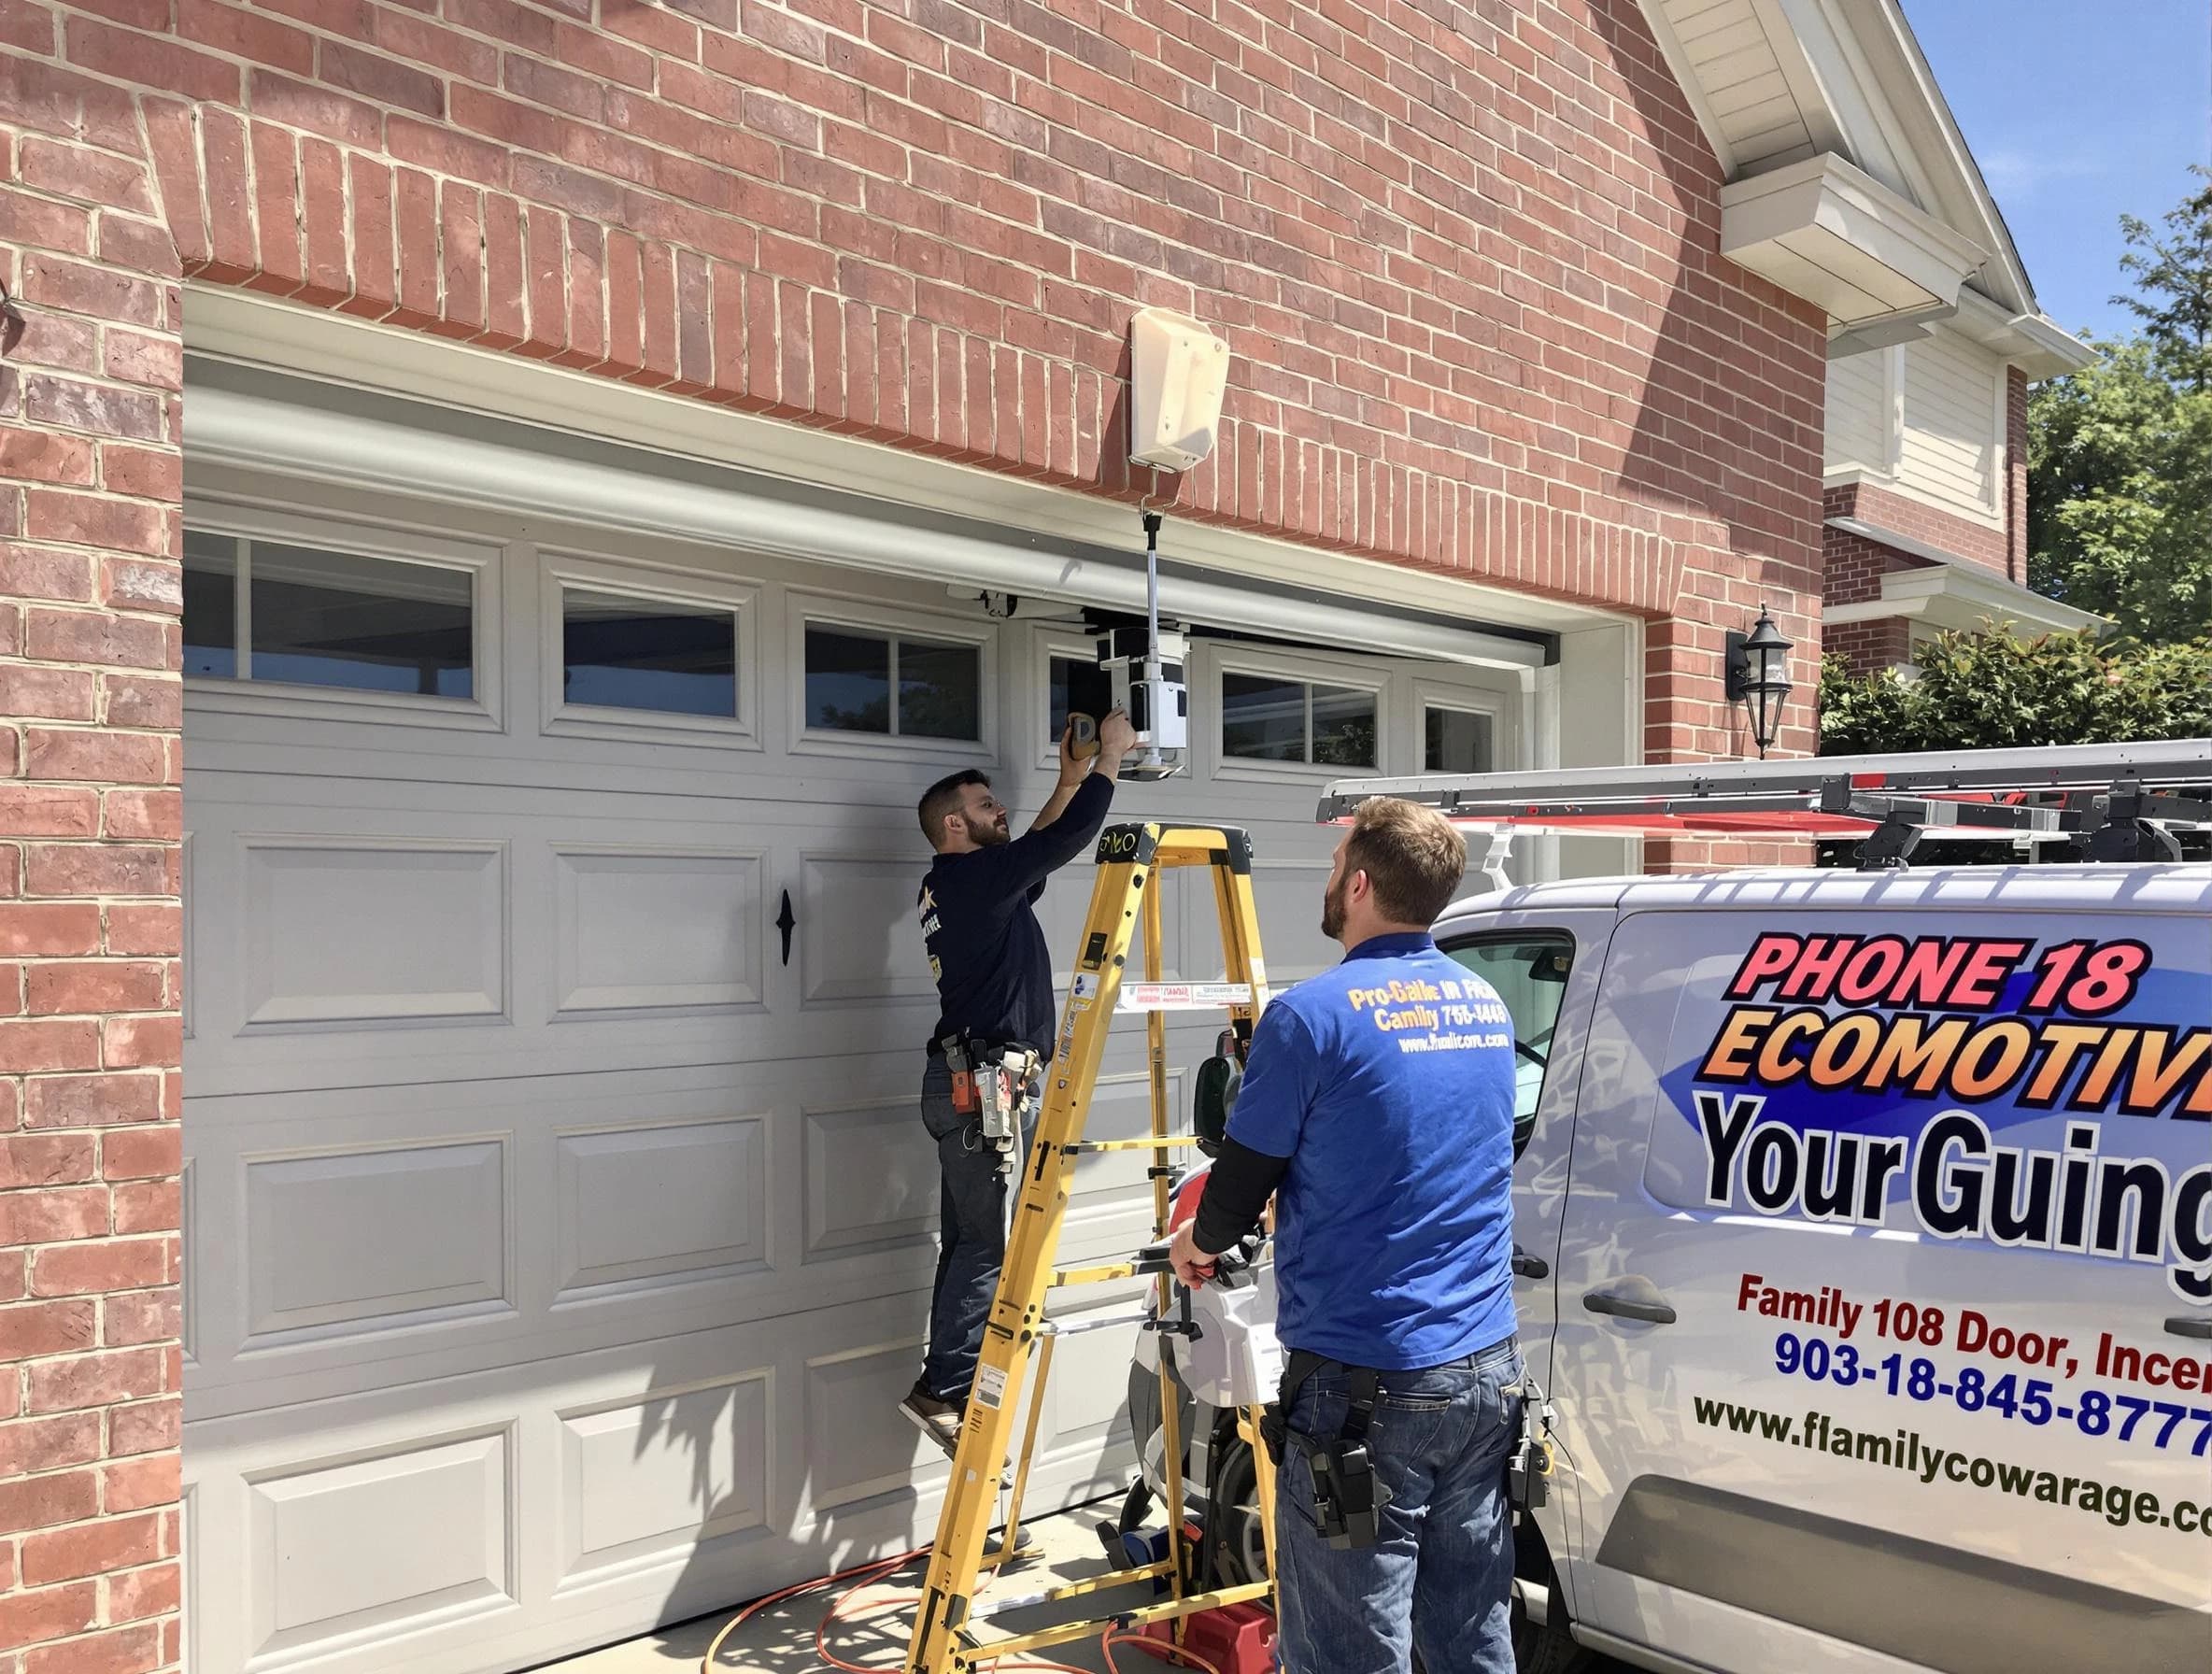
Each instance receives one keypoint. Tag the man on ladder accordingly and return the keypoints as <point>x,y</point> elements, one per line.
<point>1377,1108</point>
<point>994,1036</point>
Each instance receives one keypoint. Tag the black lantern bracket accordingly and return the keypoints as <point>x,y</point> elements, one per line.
<point>1758,676</point>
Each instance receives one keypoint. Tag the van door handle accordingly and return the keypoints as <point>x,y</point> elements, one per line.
<point>1529,1266</point>
<point>2182,1325</point>
<point>1651,1310</point>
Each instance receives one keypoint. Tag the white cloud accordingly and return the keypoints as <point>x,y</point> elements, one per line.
<point>2022,173</point>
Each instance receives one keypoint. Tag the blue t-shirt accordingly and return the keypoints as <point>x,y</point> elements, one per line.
<point>1388,1081</point>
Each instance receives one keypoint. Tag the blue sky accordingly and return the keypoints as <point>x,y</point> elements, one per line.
<point>2078,112</point>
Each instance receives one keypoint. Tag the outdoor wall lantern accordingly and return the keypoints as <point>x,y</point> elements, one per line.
<point>1758,675</point>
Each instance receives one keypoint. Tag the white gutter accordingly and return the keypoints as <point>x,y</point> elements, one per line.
<point>249,431</point>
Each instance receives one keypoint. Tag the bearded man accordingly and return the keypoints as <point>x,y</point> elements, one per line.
<point>994,994</point>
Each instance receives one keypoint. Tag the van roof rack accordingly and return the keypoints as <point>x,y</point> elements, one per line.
<point>2107,801</point>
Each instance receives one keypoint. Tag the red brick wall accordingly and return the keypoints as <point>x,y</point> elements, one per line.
<point>90,927</point>
<point>1854,568</point>
<point>1866,646</point>
<point>1468,263</point>
<point>1467,257</point>
<point>1974,543</point>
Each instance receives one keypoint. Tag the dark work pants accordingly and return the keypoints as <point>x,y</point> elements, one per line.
<point>971,1235</point>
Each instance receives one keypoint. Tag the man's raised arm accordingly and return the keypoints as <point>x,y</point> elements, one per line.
<point>1072,815</point>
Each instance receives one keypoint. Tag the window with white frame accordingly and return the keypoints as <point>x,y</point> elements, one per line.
<point>892,683</point>
<point>1278,717</point>
<point>270,610</point>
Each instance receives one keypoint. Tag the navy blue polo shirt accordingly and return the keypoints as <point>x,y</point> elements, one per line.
<point>1388,1083</point>
<point>987,949</point>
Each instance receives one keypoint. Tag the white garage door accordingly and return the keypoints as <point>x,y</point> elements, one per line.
<point>559,1226</point>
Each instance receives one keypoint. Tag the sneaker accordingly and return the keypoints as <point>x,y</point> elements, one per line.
<point>938,1420</point>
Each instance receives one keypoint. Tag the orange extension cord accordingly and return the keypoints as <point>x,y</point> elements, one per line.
<point>871,1574</point>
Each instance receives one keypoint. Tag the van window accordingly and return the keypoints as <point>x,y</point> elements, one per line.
<point>1529,972</point>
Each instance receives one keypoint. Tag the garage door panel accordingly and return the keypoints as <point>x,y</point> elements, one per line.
<point>850,1455</point>
<point>641,1483</point>
<point>647,1479</point>
<point>338,1243</point>
<point>643,1206</point>
<point>357,933</point>
<point>872,1180</point>
<point>647,928</point>
<point>339,946</point>
<point>859,940</point>
<point>1086,1403</point>
<point>684,1199</point>
<point>360,1548</point>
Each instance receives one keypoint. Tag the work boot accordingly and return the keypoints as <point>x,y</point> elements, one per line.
<point>938,1420</point>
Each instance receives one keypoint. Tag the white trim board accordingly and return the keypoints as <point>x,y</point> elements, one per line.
<point>1952,594</point>
<point>250,330</point>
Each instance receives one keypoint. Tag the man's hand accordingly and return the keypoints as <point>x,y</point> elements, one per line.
<point>1074,768</point>
<point>1192,1264</point>
<point>1116,739</point>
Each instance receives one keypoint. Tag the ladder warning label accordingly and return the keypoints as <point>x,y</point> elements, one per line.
<point>1182,997</point>
<point>990,1384</point>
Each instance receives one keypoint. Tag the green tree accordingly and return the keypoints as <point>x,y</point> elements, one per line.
<point>2173,270</point>
<point>1990,692</point>
<point>2119,454</point>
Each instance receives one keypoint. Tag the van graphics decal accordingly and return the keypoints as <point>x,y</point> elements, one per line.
<point>2053,1096</point>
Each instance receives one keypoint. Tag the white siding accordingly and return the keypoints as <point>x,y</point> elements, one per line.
<point>1950,441</point>
<point>1858,434</point>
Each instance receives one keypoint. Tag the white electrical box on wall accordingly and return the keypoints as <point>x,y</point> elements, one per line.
<point>1178,372</point>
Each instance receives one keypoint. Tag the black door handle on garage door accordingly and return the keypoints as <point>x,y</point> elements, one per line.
<point>1649,1306</point>
<point>2182,1325</point>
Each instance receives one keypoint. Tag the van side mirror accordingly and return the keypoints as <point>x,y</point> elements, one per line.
<point>1214,1094</point>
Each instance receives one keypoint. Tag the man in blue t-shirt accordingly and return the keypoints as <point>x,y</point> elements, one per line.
<point>994,986</point>
<point>1377,1109</point>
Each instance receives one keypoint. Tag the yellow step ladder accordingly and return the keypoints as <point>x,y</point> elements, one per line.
<point>1125,900</point>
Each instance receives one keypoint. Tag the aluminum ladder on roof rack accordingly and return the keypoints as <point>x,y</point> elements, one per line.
<point>2118,801</point>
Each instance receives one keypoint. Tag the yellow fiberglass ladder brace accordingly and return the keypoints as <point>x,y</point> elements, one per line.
<point>1130,858</point>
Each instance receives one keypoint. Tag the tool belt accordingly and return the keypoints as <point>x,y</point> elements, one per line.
<point>991,1082</point>
<point>1348,1500</point>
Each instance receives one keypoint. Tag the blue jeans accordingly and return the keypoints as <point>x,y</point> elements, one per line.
<point>971,1235</point>
<point>1440,1578</point>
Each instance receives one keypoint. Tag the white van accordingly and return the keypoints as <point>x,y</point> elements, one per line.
<point>1865,1229</point>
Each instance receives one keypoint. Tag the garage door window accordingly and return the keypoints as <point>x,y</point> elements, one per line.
<point>892,685</point>
<point>1455,741</point>
<point>267,610</point>
<point>623,652</point>
<point>1264,718</point>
